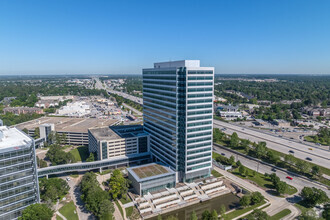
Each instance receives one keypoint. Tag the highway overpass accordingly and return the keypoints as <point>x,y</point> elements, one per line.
<point>113,163</point>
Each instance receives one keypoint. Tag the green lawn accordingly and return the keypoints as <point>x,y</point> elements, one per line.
<point>216,173</point>
<point>239,212</point>
<point>129,211</point>
<point>120,209</point>
<point>80,153</point>
<point>58,218</point>
<point>69,211</point>
<point>125,200</point>
<point>280,214</point>
<point>262,180</point>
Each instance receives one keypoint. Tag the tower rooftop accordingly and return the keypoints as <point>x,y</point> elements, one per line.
<point>12,137</point>
<point>179,63</point>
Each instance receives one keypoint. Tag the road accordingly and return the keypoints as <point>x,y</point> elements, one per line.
<point>99,85</point>
<point>319,156</point>
<point>133,109</point>
<point>297,182</point>
<point>277,203</point>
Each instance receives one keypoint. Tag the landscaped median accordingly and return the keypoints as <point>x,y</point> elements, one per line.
<point>280,214</point>
<point>242,211</point>
<point>260,179</point>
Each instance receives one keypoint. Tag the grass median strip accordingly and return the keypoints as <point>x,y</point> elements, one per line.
<point>280,214</point>
<point>239,212</point>
<point>120,208</point>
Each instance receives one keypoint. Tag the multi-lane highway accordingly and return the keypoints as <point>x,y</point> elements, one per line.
<point>99,85</point>
<point>316,155</point>
<point>296,181</point>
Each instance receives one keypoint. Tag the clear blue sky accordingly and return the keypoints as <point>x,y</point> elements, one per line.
<point>121,36</point>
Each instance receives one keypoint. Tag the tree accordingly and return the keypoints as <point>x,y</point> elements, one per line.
<point>106,208</point>
<point>303,166</point>
<point>245,201</point>
<point>274,178</point>
<point>289,158</point>
<point>281,187</point>
<point>159,217</point>
<point>206,215</point>
<point>36,133</point>
<point>222,211</point>
<point>313,196</point>
<point>36,212</point>
<point>57,156</point>
<point>246,172</point>
<point>258,214</point>
<point>90,158</point>
<point>193,216</point>
<point>326,212</point>
<point>316,170</point>
<point>234,141</point>
<point>257,197</point>
<point>238,163</point>
<point>273,157</point>
<point>245,144</point>
<point>241,170</point>
<point>214,215</point>
<point>53,188</point>
<point>261,150</point>
<point>96,200</point>
<point>232,160</point>
<point>118,184</point>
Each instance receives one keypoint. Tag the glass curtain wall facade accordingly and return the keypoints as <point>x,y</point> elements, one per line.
<point>18,178</point>
<point>178,114</point>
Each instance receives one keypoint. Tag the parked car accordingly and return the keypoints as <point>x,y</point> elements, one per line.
<point>289,177</point>
<point>291,151</point>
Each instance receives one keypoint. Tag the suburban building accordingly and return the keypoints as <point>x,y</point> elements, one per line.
<point>228,111</point>
<point>18,173</point>
<point>23,110</point>
<point>75,130</point>
<point>178,115</point>
<point>281,123</point>
<point>75,109</point>
<point>109,142</point>
<point>151,177</point>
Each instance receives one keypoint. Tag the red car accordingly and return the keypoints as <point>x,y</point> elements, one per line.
<point>289,177</point>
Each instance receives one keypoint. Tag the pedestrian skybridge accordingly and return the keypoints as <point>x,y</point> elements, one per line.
<point>113,163</point>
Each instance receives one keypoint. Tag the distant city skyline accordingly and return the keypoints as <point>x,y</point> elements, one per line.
<point>122,37</point>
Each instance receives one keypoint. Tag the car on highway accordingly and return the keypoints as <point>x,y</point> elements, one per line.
<point>291,151</point>
<point>273,169</point>
<point>308,158</point>
<point>223,154</point>
<point>310,148</point>
<point>289,177</point>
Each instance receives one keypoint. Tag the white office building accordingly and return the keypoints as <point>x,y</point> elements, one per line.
<point>178,115</point>
<point>18,173</point>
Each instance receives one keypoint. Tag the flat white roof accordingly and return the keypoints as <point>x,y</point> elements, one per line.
<point>12,137</point>
<point>179,63</point>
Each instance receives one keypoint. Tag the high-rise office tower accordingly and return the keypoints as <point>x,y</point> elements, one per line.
<point>18,173</point>
<point>178,114</point>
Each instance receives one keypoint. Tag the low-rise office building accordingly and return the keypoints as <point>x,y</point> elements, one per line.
<point>23,110</point>
<point>74,129</point>
<point>18,173</point>
<point>151,177</point>
<point>108,142</point>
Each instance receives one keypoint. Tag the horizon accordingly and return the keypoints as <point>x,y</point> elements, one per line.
<point>102,37</point>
